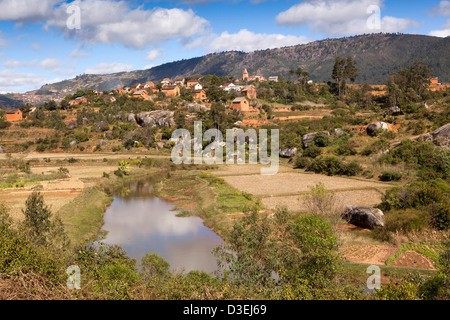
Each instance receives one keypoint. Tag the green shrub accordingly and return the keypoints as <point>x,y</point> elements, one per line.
<point>346,150</point>
<point>322,140</point>
<point>334,166</point>
<point>390,176</point>
<point>430,197</point>
<point>312,152</point>
<point>302,162</point>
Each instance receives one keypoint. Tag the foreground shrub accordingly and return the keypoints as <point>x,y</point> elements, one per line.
<point>334,166</point>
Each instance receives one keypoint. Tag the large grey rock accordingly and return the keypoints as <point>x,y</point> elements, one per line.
<point>160,145</point>
<point>374,127</point>
<point>131,117</point>
<point>338,131</point>
<point>364,217</point>
<point>72,125</point>
<point>161,118</point>
<point>73,143</point>
<point>310,137</point>
<point>196,107</point>
<point>84,121</point>
<point>238,124</point>
<point>441,136</point>
<point>102,142</point>
<point>100,125</point>
<point>395,111</point>
<point>288,153</point>
<point>2,149</point>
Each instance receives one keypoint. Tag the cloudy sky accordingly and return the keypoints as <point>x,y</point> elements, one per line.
<point>44,41</point>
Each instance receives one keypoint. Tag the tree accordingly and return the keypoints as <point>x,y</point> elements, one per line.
<point>303,77</point>
<point>409,84</point>
<point>37,218</point>
<point>338,72</point>
<point>343,70</point>
<point>350,71</point>
<point>218,114</point>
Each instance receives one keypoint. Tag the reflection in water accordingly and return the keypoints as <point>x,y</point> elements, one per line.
<point>142,223</point>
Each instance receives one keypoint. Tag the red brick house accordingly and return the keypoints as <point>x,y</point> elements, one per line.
<point>14,115</point>
<point>171,91</point>
<point>240,104</point>
<point>249,92</point>
<point>199,94</point>
<point>78,101</point>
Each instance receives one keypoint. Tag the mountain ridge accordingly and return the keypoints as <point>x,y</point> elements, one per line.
<point>376,55</point>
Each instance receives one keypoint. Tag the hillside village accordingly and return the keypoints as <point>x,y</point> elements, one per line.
<point>376,151</point>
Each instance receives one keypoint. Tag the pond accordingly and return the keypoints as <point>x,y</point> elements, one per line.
<point>142,223</point>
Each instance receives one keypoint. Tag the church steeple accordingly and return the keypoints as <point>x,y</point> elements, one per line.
<point>245,74</point>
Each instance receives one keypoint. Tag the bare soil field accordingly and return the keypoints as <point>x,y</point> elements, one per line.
<point>287,186</point>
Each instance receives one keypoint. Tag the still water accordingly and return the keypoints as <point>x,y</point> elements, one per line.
<point>142,223</point>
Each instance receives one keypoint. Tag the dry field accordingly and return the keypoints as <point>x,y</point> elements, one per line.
<point>287,187</point>
<point>58,192</point>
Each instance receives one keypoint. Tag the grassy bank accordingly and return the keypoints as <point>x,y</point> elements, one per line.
<point>200,193</point>
<point>83,216</point>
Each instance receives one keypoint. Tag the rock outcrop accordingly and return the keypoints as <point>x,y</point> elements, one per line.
<point>374,127</point>
<point>364,217</point>
<point>161,118</point>
<point>72,125</point>
<point>288,153</point>
<point>195,107</point>
<point>310,137</point>
<point>441,136</point>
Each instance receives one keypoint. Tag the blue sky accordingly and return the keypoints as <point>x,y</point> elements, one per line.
<point>44,41</point>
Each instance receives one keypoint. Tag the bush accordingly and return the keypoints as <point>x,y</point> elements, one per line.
<point>322,140</point>
<point>390,176</point>
<point>302,162</point>
<point>430,197</point>
<point>312,152</point>
<point>334,166</point>
<point>346,150</point>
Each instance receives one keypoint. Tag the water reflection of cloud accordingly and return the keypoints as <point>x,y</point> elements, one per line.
<point>147,225</point>
<point>124,220</point>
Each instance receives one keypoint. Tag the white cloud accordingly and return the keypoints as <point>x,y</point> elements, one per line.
<point>78,54</point>
<point>26,10</point>
<point>105,68</point>
<point>3,41</point>
<point>107,21</point>
<point>443,9</point>
<point>12,81</point>
<point>36,46</point>
<point>342,17</point>
<point>51,64</point>
<point>153,55</point>
<point>444,32</point>
<point>248,41</point>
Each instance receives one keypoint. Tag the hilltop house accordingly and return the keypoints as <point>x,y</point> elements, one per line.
<point>230,86</point>
<point>249,92</point>
<point>140,94</point>
<point>78,101</point>
<point>273,78</point>
<point>166,81</point>
<point>436,86</point>
<point>199,94</point>
<point>171,90</point>
<point>240,104</point>
<point>191,83</point>
<point>14,115</point>
<point>179,82</point>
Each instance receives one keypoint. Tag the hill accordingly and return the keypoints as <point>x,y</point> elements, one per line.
<point>377,56</point>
